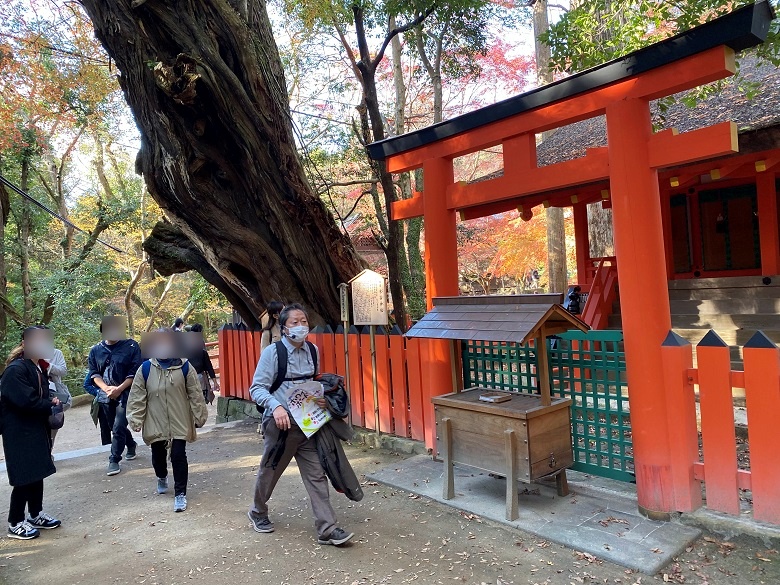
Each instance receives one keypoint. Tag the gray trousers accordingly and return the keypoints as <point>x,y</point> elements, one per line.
<point>314,479</point>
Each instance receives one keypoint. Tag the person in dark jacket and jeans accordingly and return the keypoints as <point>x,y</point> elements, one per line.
<point>25,407</point>
<point>112,365</point>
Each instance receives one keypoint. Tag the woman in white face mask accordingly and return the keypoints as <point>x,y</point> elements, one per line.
<point>282,438</point>
<point>24,419</point>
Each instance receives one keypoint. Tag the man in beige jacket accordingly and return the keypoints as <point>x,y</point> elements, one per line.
<point>167,402</point>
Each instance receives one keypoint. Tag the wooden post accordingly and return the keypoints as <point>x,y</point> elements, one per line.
<point>448,489</point>
<point>544,369</point>
<point>762,395</point>
<point>441,245</point>
<point>717,424</point>
<point>768,232</point>
<point>347,377</point>
<point>441,275</point>
<point>644,296</point>
<point>510,451</point>
<point>374,384</point>
<point>457,370</point>
<point>225,383</point>
<point>562,483</point>
<point>581,242</point>
<point>677,361</point>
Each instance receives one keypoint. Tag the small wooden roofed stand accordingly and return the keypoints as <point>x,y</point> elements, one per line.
<point>525,438</point>
<point>621,90</point>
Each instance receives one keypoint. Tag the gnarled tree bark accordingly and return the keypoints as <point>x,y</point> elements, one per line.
<point>206,86</point>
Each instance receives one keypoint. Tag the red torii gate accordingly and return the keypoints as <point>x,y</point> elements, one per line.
<point>621,90</point>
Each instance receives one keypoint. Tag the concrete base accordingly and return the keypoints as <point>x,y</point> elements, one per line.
<point>391,443</point>
<point>234,409</point>
<point>82,400</point>
<point>729,527</point>
<point>602,522</point>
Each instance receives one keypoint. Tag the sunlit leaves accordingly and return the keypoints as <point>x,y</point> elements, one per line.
<point>600,30</point>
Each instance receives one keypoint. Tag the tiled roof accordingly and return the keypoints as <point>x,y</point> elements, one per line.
<point>762,111</point>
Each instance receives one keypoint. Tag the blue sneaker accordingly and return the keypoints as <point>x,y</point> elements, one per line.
<point>180,503</point>
<point>23,531</point>
<point>44,521</point>
<point>162,485</point>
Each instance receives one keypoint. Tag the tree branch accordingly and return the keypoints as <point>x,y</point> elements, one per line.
<point>160,302</point>
<point>357,201</point>
<point>398,30</point>
<point>347,184</point>
<point>347,49</point>
<point>423,55</point>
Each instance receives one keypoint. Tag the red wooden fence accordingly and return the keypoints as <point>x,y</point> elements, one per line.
<point>402,409</point>
<point>729,486</point>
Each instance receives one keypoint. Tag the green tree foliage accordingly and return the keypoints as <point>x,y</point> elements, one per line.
<point>66,137</point>
<point>595,31</point>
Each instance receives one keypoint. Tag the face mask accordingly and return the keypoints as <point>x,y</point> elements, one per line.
<point>297,333</point>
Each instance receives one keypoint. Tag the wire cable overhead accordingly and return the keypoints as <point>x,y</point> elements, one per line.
<point>53,213</point>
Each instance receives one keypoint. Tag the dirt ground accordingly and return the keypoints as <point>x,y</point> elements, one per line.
<point>117,530</point>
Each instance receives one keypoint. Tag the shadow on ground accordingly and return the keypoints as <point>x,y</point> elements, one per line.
<point>117,530</point>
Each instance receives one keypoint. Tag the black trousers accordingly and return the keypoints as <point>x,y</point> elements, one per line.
<point>105,425</point>
<point>178,462</point>
<point>29,496</point>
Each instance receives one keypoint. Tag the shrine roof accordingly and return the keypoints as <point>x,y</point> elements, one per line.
<point>753,113</point>
<point>741,29</point>
<point>509,318</point>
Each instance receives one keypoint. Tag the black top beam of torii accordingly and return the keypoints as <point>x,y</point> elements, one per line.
<point>741,29</point>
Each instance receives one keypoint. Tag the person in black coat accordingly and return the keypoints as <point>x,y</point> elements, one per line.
<point>198,356</point>
<point>25,407</point>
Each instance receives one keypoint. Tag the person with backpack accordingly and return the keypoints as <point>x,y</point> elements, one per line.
<point>25,407</point>
<point>282,365</point>
<point>271,332</point>
<point>112,365</point>
<point>166,403</point>
<point>199,358</point>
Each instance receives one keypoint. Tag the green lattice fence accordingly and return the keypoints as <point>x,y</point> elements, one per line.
<point>589,368</point>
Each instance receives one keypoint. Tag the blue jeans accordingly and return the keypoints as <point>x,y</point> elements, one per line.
<point>120,436</point>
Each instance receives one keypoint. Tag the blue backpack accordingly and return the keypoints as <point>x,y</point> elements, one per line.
<point>146,367</point>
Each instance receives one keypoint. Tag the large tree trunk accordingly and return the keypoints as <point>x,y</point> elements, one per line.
<point>557,275</point>
<point>206,87</point>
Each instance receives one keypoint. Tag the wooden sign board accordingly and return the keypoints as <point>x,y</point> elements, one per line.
<point>344,302</point>
<point>369,299</point>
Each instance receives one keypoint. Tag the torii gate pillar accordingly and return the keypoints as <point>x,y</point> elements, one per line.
<point>644,296</point>
<point>441,280</point>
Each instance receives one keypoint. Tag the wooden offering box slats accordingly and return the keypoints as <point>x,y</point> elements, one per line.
<point>520,438</point>
<point>525,438</point>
